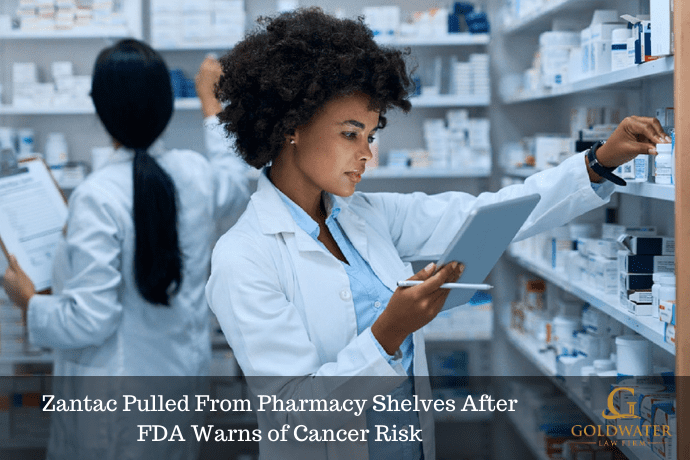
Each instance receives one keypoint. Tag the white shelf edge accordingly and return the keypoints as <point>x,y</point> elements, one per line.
<point>541,14</point>
<point>520,172</point>
<point>660,67</point>
<point>450,100</point>
<point>535,448</point>
<point>647,326</point>
<point>527,346</point>
<point>641,189</point>
<point>409,173</point>
<point>24,443</point>
<point>187,103</point>
<point>49,110</point>
<point>649,190</point>
<point>41,358</point>
<point>459,39</point>
<point>452,336</point>
<point>442,100</point>
<point>225,46</point>
<point>383,172</point>
<point>77,32</point>
<point>193,103</point>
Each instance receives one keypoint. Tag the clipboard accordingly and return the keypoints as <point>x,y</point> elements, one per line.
<point>481,241</point>
<point>33,212</point>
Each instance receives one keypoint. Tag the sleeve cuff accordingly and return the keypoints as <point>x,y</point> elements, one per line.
<point>211,121</point>
<point>603,189</point>
<point>37,319</point>
<point>392,359</point>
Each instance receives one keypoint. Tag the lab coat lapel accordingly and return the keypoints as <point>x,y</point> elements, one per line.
<point>363,237</point>
<point>321,279</point>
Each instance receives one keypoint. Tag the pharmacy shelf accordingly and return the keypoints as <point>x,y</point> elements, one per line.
<point>534,440</point>
<point>438,100</point>
<point>77,32</point>
<point>523,172</point>
<point>618,78</point>
<point>37,358</point>
<point>647,326</point>
<point>23,443</point>
<point>46,110</point>
<point>450,100</point>
<point>385,172</point>
<point>541,18</point>
<point>187,103</point>
<point>649,190</point>
<point>545,362</point>
<point>642,189</point>
<point>220,46</point>
<point>459,39</point>
<point>455,336</point>
<point>193,103</point>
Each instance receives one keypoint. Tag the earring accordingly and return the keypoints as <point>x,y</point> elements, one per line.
<point>292,141</point>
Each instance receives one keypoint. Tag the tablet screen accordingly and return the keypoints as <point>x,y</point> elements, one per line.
<point>482,239</point>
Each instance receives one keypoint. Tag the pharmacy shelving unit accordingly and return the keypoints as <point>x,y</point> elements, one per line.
<point>641,88</point>
<point>131,12</point>
<point>627,78</point>
<point>646,326</point>
<point>641,189</point>
<point>545,362</point>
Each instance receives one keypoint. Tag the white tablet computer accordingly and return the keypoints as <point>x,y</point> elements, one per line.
<point>482,239</point>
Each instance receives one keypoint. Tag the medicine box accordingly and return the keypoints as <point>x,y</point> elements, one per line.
<point>613,231</point>
<point>664,415</point>
<point>605,272</point>
<point>654,245</point>
<point>637,263</point>
<point>670,333</point>
<point>640,309</point>
<point>667,311</point>
<point>647,401</point>
<point>549,149</point>
<point>642,296</point>
<point>603,248</point>
<point>634,281</point>
<point>661,17</point>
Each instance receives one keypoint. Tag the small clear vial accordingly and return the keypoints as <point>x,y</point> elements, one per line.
<point>663,164</point>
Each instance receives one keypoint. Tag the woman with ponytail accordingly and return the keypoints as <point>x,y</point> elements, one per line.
<point>128,290</point>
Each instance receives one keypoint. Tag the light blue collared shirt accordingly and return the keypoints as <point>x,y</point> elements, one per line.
<point>370,297</point>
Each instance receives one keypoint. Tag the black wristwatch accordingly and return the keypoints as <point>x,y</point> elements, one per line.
<point>603,171</point>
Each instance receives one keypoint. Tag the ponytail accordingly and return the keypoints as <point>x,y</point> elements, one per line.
<point>133,97</point>
<point>157,258</point>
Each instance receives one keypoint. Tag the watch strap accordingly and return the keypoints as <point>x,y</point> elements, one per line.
<point>598,168</point>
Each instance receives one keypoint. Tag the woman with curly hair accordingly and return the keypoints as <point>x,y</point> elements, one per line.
<point>304,285</point>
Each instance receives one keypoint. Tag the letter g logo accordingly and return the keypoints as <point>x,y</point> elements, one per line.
<point>614,414</point>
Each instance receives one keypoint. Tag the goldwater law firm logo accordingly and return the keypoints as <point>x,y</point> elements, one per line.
<point>622,429</point>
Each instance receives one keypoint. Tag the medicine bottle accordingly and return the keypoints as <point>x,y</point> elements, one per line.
<point>664,288</point>
<point>56,150</point>
<point>663,164</point>
<point>619,48</point>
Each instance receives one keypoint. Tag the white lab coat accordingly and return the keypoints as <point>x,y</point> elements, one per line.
<point>97,322</point>
<point>286,309</point>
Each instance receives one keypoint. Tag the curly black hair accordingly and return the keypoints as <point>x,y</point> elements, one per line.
<point>280,75</point>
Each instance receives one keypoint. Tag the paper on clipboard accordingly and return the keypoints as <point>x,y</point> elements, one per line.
<point>33,213</point>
